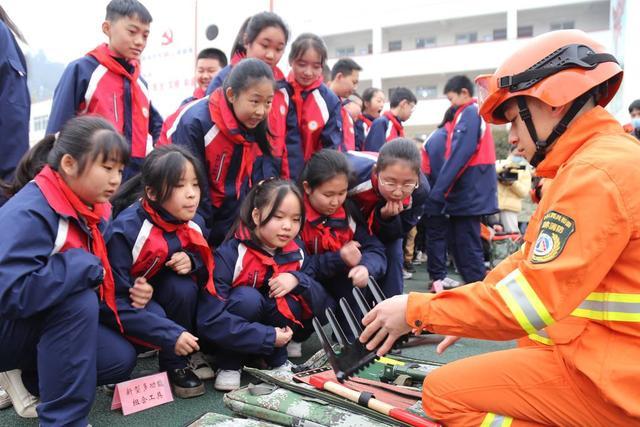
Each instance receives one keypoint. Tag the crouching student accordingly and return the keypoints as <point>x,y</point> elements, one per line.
<point>230,135</point>
<point>261,294</point>
<point>391,192</point>
<point>54,269</point>
<point>342,250</point>
<point>155,242</point>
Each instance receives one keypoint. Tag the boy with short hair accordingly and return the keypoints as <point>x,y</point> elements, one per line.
<point>106,82</point>
<point>345,75</point>
<point>208,64</point>
<point>466,188</point>
<point>389,125</point>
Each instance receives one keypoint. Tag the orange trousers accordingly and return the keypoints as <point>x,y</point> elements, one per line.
<point>527,386</point>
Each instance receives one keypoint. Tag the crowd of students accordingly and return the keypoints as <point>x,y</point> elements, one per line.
<point>260,202</point>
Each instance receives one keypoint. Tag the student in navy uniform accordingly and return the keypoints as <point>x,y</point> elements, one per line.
<point>314,119</point>
<point>261,291</point>
<point>15,104</point>
<point>435,221</point>
<point>208,64</point>
<point>341,247</point>
<point>229,134</point>
<point>345,75</point>
<point>466,188</point>
<point>54,269</point>
<point>106,82</point>
<point>156,241</point>
<point>391,191</point>
<point>389,126</point>
<point>372,105</point>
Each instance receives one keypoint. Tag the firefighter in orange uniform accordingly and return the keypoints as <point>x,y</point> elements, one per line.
<point>574,288</point>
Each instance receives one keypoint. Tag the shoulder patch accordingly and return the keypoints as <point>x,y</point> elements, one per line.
<point>554,233</point>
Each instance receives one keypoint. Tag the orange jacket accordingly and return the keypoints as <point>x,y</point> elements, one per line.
<point>576,282</point>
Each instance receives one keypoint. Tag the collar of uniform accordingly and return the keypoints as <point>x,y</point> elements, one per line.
<point>580,131</point>
<point>337,219</point>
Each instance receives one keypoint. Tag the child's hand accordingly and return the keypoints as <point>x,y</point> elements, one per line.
<point>391,209</point>
<point>359,275</point>
<point>140,293</point>
<point>283,336</point>
<point>350,253</point>
<point>186,344</point>
<point>180,263</point>
<point>282,284</point>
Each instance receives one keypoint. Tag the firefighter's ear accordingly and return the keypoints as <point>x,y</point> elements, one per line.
<point>255,215</point>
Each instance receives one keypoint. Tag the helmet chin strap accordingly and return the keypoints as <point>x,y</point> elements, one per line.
<point>543,145</point>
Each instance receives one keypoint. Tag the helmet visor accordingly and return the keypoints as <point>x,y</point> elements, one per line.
<point>482,88</point>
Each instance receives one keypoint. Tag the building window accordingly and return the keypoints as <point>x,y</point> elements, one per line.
<point>566,25</point>
<point>426,92</point>
<point>395,45</point>
<point>525,31</point>
<point>345,51</point>
<point>40,123</point>
<point>500,34</point>
<point>424,42</point>
<point>464,38</point>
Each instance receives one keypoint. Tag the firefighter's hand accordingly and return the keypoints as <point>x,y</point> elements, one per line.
<point>140,293</point>
<point>391,209</point>
<point>350,253</point>
<point>186,344</point>
<point>359,275</point>
<point>180,263</point>
<point>282,284</point>
<point>448,341</point>
<point>385,323</point>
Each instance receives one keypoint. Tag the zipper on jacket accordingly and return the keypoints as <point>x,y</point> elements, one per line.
<point>315,246</point>
<point>115,107</point>
<point>221,166</point>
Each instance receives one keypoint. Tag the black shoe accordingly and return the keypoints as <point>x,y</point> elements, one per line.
<point>185,383</point>
<point>409,267</point>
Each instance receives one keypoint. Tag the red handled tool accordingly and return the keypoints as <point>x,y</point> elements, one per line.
<point>367,399</point>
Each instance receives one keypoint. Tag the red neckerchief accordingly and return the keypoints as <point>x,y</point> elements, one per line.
<point>199,93</point>
<point>298,100</point>
<point>331,238</point>
<point>223,117</point>
<point>64,201</point>
<point>139,102</point>
<point>243,235</point>
<point>396,123</point>
<point>189,237</point>
<point>366,120</point>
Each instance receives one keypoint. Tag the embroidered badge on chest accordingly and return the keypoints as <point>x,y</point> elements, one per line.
<point>554,233</point>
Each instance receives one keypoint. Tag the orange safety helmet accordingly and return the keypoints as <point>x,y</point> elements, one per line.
<point>556,68</point>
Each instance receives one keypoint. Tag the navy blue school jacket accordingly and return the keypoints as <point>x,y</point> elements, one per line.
<point>314,122</point>
<point>43,254</point>
<point>88,87</point>
<point>362,127</point>
<point>366,195</point>
<point>130,236</point>
<point>433,150</point>
<point>15,104</point>
<point>231,158</point>
<point>467,183</point>
<point>383,129</point>
<point>235,266</point>
<point>323,236</point>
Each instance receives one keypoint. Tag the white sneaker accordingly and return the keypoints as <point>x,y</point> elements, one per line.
<point>199,365</point>
<point>294,349</point>
<point>227,380</point>
<point>406,275</point>
<point>5,400</point>
<point>23,402</point>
